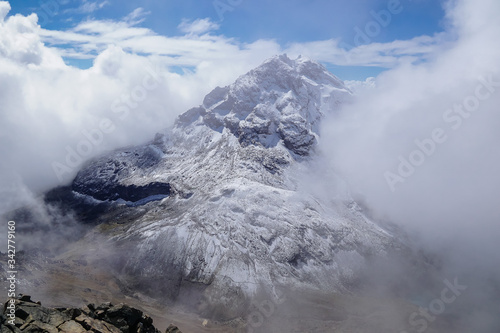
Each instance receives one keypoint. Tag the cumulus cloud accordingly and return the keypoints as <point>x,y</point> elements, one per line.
<point>419,147</point>
<point>4,9</point>
<point>359,87</point>
<point>53,117</point>
<point>20,40</point>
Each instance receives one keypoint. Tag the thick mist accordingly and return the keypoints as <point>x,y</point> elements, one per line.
<point>420,150</point>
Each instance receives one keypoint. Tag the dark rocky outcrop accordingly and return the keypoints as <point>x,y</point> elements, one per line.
<point>24,315</point>
<point>131,193</point>
<point>102,178</point>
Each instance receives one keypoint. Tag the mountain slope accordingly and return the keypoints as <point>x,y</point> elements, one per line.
<point>214,204</point>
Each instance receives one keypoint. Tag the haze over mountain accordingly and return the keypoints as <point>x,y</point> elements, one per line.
<point>213,213</point>
<point>286,142</point>
<point>217,201</point>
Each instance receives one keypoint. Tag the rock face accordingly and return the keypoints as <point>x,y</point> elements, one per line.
<point>280,102</point>
<point>130,193</point>
<point>236,218</point>
<point>31,317</point>
<point>89,180</point>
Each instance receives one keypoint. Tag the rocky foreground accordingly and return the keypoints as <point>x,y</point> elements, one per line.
<point>24,315</point>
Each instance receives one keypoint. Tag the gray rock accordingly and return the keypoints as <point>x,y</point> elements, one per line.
<point>172,329</point>
<point>71,327</point>
<point>39,327</point>
<point>31,317</point>
<point>95,325</point>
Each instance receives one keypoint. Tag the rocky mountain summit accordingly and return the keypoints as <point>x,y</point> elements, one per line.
<point>280,102</point>
<point>24,315</point>
<point>214,211</point>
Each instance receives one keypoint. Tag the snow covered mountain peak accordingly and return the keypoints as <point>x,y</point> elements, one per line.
<point>215,203</point>
<point>281,66</point>
<point>280,102</point>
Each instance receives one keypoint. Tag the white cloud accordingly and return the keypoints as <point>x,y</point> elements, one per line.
<point>452,195</point>
<point>91,37</point>
<point>4,9</point>
<point>360,86</point>
<point>386,55</point>
<point>137,16</point>
<point>197,27</point>
<point>88,7</point>
<point>47,107</point>
<point>20,40</point>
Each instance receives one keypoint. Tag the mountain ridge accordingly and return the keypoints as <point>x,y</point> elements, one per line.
<point>273,99</point>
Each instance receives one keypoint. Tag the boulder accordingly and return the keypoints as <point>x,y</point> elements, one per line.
<point>32,317</point>
<point>71,327</point>
<point>172,329</point>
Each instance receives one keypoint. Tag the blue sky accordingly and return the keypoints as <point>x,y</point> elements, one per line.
<point>285,22</point>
